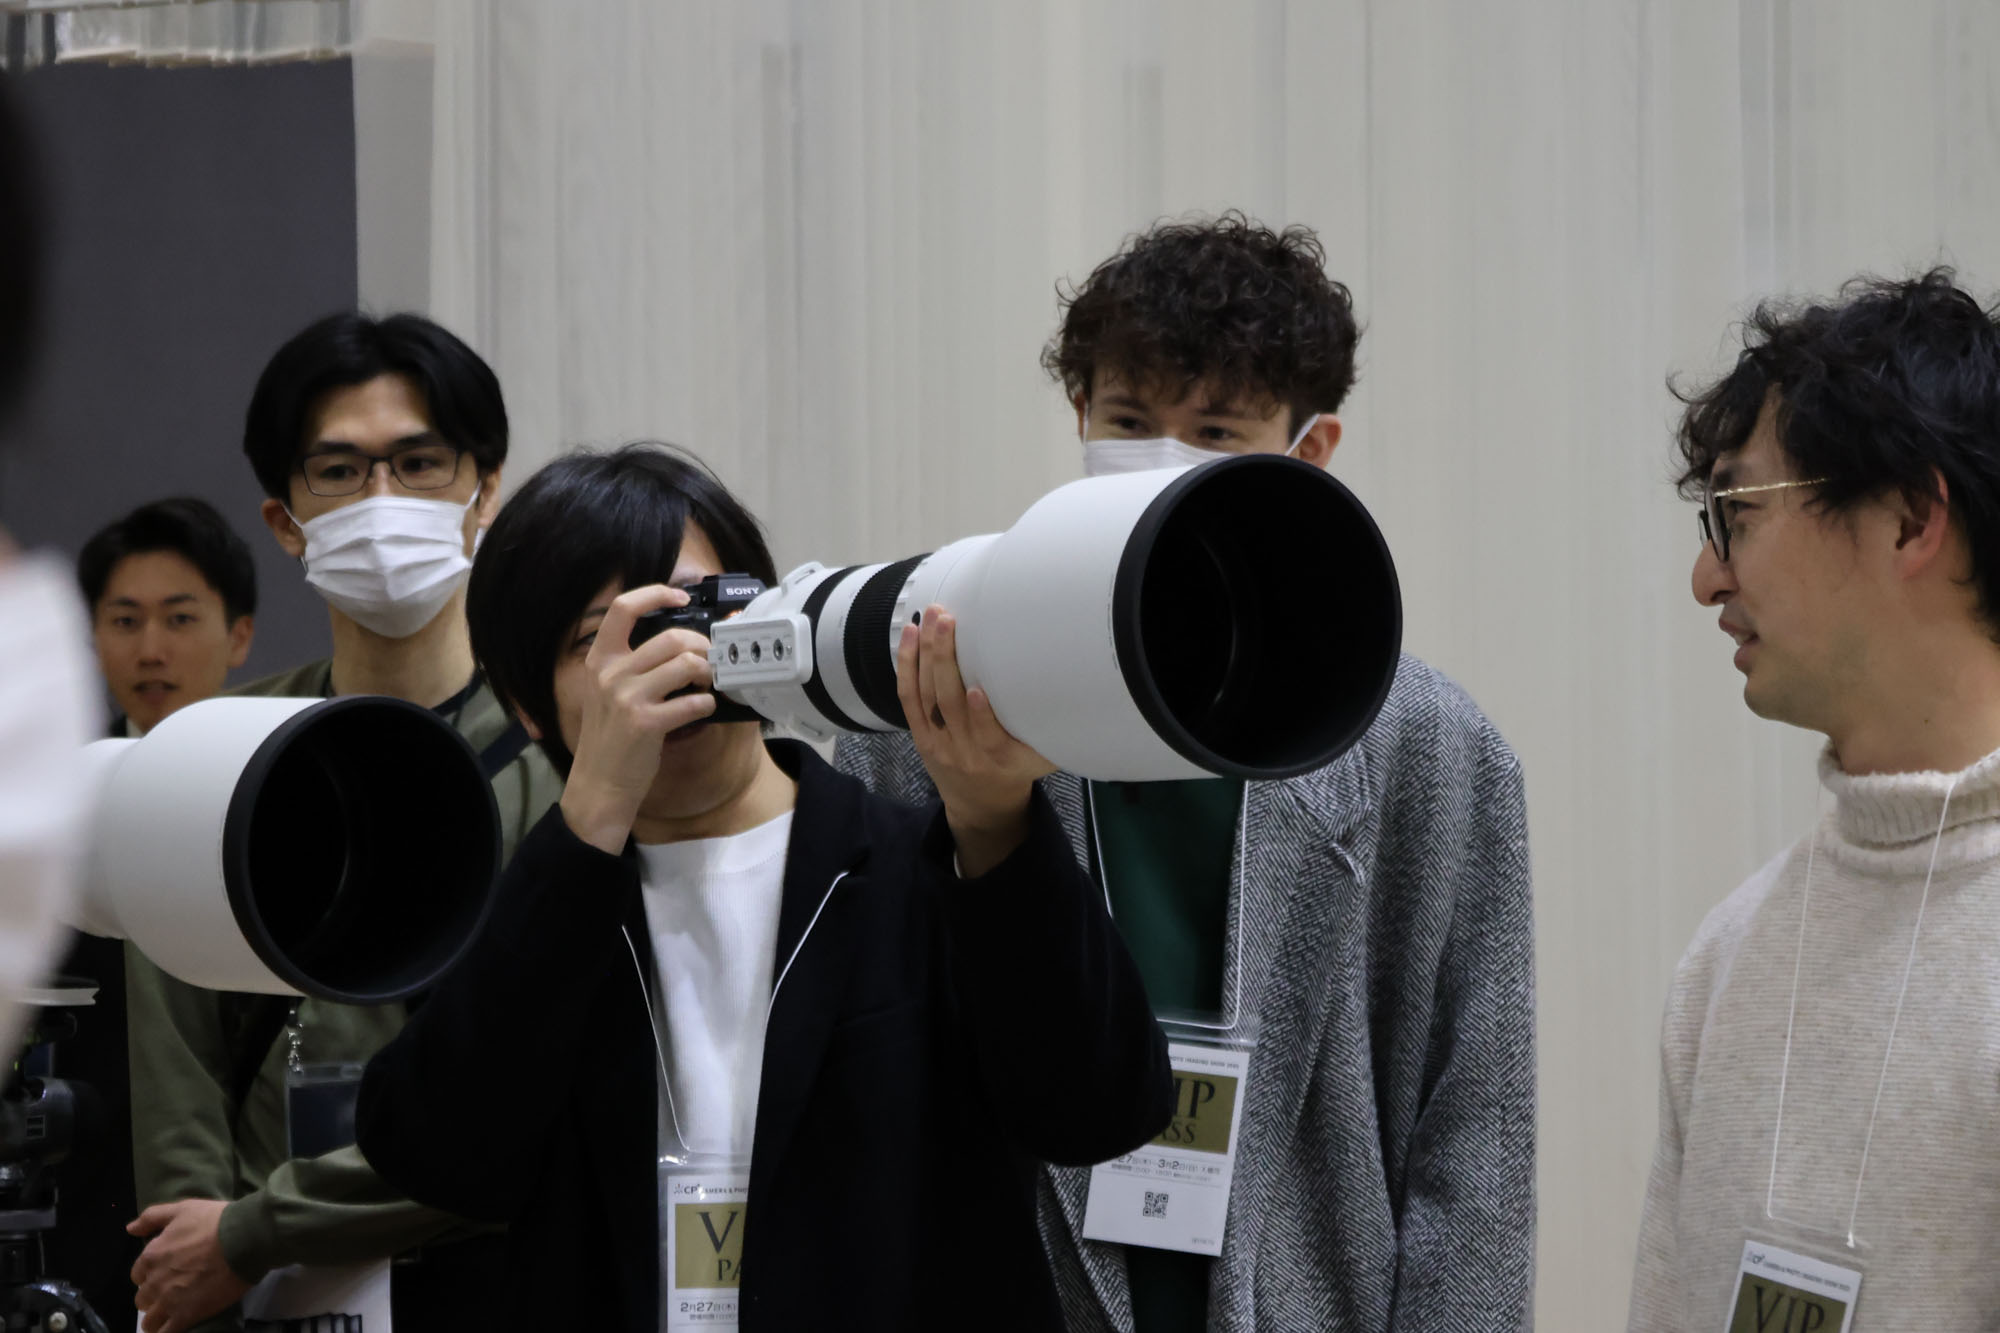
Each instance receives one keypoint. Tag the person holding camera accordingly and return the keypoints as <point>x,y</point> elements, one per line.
<point>742,1043</point>
<point>379,444</point>
<point>1357,938</point>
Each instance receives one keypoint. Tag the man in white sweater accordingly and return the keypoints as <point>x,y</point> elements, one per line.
<point>1830,1092</point>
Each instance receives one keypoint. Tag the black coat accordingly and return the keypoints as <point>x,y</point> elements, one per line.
<point>931,1041</point>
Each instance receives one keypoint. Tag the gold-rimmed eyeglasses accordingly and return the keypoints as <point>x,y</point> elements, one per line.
<point>1714,514</point>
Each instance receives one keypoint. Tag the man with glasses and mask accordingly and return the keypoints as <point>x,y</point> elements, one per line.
<point>1830,1051</point>
<point>1369,921</point>
<point>379,444</point>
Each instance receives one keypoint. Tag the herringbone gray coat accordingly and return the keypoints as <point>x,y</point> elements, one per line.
<point>1385,1179</point>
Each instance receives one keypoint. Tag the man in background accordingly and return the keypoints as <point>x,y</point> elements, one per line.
<point>379,444</point>
<point>1371,918</point>
<point>1830,1053</point>
<point>172,594</point>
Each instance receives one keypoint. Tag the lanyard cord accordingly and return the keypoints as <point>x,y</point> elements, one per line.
<point>1791,1018</point>
<point>1895,1020</point>
<point>1234,937</point>
<point>659,1049</point>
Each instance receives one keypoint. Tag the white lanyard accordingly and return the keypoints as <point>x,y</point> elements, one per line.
<point>659,1046</point>
<point>1895,1021</point>
<point>1234,1015</point>
<point>704,1195</point>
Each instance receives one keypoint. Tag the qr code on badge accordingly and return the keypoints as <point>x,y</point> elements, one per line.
<point>1156,1204</point>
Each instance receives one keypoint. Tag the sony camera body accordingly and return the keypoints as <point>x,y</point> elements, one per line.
<point>715,598</point>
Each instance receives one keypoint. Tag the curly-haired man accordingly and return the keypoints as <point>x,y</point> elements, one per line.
<point>1369,921</point>
<point>1830,1056</point>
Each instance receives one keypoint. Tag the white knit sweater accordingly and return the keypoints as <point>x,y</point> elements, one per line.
<point>1928,1215</point>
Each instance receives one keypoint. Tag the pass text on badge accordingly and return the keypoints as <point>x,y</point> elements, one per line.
<point>703,1269</point>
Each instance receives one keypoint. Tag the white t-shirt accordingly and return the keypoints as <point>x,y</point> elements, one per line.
<point>712,908</point>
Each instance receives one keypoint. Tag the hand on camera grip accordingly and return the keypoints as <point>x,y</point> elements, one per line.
<point>629,701</point>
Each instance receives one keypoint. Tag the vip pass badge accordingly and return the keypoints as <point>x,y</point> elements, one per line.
<point>1780,1290</point>
<point>319,1118</point>
<point>704,1197</point>
<point>319,1098</point>
<point>1173,1193</point>
<point>703,1200</point>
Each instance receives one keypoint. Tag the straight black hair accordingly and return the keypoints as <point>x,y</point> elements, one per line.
<point>459,390</point>
<point>191,529</point>
<point>579,523</point>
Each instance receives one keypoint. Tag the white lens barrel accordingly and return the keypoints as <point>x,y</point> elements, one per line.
<point>343,848</point>
<point>1035,630</point>
<point>1240,617</point>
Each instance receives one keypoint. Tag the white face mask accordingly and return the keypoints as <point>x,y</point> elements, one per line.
<point>389,562</point>
<point>48,712</point>
<point>1104,458</point>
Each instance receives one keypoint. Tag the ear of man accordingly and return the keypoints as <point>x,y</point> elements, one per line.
<point>288,534</point>
<point>1923,526</point>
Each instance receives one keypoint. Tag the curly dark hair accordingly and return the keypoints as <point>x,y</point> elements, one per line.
<point>1223,301</point>
<point>1895,384</point>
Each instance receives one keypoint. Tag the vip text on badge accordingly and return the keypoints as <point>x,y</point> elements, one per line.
<point>1204,1106</point>
<point>1765,1306</point>
<point>710,1253</point>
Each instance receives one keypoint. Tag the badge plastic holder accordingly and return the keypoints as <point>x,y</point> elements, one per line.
<point>319,1107</point>
<point>703,1200</point>
<point>1795,1278</point>
<point>1173,1193</point>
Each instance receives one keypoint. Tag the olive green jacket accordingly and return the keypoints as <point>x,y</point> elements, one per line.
<point>189,1142</point>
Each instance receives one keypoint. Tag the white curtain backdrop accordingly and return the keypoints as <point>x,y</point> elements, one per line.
<point>817,242</point>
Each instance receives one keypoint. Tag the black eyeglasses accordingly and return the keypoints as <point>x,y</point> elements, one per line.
<point>420,467</point>
<point>1714,515</point>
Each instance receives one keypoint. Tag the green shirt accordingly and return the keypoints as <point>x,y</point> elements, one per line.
<point>189,1139</point>
<point>1167,851</point>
